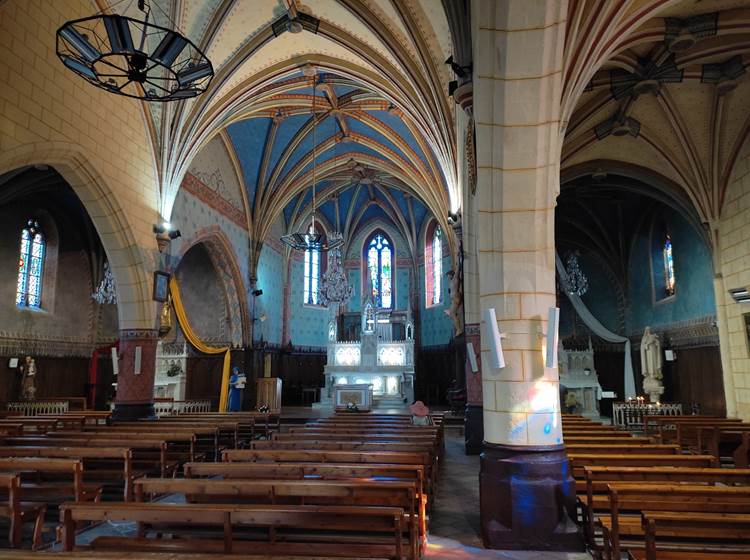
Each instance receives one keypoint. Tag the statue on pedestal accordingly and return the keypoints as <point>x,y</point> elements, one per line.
<point>237,383</point>
<point>28,383</point>
<point>651,362</point>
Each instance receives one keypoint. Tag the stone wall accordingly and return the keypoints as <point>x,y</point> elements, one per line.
<point>734,240</point>
<point>97,141</point>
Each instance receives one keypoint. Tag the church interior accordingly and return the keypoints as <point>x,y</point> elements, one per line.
<point>401,279</point>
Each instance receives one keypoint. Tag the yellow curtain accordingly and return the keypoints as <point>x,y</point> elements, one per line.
<point>199,344</point>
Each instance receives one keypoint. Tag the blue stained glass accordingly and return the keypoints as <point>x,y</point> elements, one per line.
<point>379,264</point>
<point>669,278</point>
<point>311,275</point>
<point>30,267</point>
<point>437,264</point>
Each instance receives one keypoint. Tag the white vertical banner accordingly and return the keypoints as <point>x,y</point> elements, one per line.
<point>496,346</point>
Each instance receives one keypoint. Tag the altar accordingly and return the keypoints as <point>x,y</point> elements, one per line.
<point>382,358</point>
<point>578,374</point>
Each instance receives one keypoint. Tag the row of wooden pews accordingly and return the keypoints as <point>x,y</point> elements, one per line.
<point>654,499</point>
<point>354,485</point>
<point>81,457</point>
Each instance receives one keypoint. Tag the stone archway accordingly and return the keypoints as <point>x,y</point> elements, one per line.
<point>223,259</point>
<point>136,309</point>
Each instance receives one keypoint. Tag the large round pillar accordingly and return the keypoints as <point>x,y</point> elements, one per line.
<point>135,381</point>
<point>527,492</point>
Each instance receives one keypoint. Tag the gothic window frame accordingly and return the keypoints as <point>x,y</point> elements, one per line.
<point>433,265</point>
<point>670,280</point>
<point>660,232</point>
<point>369,239</point>
<point>310,281</point>
<point>31,278</point>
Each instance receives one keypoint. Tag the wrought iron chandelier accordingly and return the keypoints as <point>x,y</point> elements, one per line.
<point>132,57</point>
<point>312,240</point>
<point>106,291</point>
<point>577,282</point>
<point>334,286</point>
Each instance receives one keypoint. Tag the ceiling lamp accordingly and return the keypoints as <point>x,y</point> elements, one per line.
<point>310,239</point>
<point>134,58</point>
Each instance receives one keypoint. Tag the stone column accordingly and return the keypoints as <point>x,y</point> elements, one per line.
<point>526,489</point>
<point>135,392</point>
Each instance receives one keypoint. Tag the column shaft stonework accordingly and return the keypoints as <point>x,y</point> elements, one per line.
<point>526,489</point>
<point>135,392</point>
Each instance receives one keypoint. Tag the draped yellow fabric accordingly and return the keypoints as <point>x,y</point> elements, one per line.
<point>199,344</point>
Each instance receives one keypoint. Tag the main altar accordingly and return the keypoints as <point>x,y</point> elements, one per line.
<point>382,357</point>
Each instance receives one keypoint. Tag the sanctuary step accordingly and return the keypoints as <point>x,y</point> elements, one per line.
<point>388,401</point>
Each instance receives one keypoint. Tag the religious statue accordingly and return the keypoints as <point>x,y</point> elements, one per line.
<point>457,302</point>
<point>28,383</point>
<point>368,318</point>
<point>165,319</point>
<point>651,362</point>
<point>237,383</point>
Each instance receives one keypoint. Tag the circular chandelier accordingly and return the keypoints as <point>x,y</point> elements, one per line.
<point>132,57</point>
<point>312,239</point>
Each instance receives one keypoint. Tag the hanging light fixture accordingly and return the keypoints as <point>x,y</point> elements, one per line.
<point>577,282</point>
<point>106,293</point>
<point>135,58</point>
<point>334,286</point>
<point>310,239</point>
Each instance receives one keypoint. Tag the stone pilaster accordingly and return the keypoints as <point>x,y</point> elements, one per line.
<point>135,393</point>
<point>526,488</point>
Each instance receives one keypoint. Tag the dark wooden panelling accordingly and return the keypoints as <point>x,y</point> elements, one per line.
<point>695,377</point>
<point>435,370</point>
<point>56,377</point>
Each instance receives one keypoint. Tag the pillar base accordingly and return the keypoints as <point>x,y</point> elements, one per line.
<point>124,412</point>
<point>527,499</point>
<point>473,429</point>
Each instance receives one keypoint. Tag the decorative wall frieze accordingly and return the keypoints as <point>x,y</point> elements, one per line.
<point>210,197</point>
<point>139,334</point>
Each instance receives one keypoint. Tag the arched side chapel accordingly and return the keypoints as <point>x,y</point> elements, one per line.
<point>614,132</point>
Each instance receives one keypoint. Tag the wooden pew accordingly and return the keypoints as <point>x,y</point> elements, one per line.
<point>204,438</point>
<point>593,492</point>
<point>90,456</point>
<point>41,483</point>
<point>148,454</point>
<point>715,526</point>
<point>624,499</point>
<point>309,492</point>
<point>579,461</point>
<point>316,456</point>
<point>177,442</point>
<point>17,511</point>
<point>582,440</point>
<point>353,521</point>
<point>622,448</point>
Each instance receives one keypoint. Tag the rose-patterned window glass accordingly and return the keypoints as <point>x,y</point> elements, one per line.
<point>30,267</point>
<point>312,274</point>
<point>380,269</point>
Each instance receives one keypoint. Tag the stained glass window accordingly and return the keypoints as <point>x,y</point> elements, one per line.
<point>669,279</point>
<point>30,267</point>
<point>380,269</point>
<point>437,264</point>
<point>312,274</point>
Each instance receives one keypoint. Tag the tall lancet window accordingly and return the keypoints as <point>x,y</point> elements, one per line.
<point>30,267</point>
<point>669,279</point>
<point>312,274</point>
<point>437,264</point>
<point>380,270</point>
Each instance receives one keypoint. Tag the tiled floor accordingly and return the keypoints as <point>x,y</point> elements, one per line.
<point>454,527</point>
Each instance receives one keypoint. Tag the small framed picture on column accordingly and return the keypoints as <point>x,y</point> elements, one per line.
<point>161,285</point>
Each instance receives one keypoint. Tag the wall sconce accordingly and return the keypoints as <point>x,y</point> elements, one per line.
<point>165,233</point>
<point>740,295</point>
